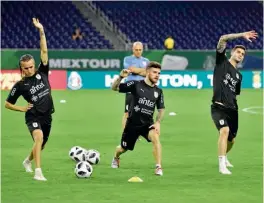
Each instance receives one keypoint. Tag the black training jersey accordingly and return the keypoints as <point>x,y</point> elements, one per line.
<point>226,82</point>
<point>35,90</point>
<point>145,98</point>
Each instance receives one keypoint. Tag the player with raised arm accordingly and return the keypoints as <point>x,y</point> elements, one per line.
<point>35,88</point>
<point>226,86</point>
<point>146,95</point>
<point>136,64</point>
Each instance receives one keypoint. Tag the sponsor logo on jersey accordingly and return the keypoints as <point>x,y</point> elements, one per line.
<point>34,98</point>
<point>38,76</point>
<point>34,89</point>
<point>231,82</point>
<point>75,81</point>
<point>146,102</point>
<point>136,108</point>
<point>156,94</point>
<point>13,92</point>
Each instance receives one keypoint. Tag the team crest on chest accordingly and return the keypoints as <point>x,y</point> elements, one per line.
<point>237,76</point>
<point>38,76</point>
<point>156,94</point>
<point>144,63</point>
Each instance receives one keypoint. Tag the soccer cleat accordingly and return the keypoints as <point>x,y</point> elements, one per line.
<point>224,171</point>
<point>27,166</point>
<point>39,175</point>
<point>158,171</point>
<point>228,164</point>
<point>115,162</point>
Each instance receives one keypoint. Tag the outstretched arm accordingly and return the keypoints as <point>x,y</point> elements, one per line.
<point>224,38</point>
<point>124,73</point>
<point>43,42</point>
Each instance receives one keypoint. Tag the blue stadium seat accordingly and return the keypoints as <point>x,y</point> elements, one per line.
<point>59,19</point>
<point>193,25</point>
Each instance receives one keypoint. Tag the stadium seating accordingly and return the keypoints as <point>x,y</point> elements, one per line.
<point>59,19</point>
<point>193,25</point>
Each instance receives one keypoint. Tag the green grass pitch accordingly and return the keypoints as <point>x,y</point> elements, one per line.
<point>92,119</point>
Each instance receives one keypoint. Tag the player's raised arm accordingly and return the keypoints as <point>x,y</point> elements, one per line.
<point>124,73</point>
<point>43,42</point>
<point>224,38</point>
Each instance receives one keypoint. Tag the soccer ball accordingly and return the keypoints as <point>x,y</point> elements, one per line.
<point>72,151</point>
<point>92,156</point>
<point>83,169</point>
<point>77,153</point>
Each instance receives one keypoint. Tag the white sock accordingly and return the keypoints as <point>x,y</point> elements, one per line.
<point>158,166</point>
<point>38,170</point>
<point>222,160</point>
<point>27,160</point>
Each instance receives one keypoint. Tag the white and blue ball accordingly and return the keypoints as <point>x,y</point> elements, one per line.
<point>92,156</point>
<point>77,153</point>
<point>83,169</point>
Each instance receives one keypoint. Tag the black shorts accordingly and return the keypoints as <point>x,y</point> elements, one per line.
<point>225,117</point>
<point>128,102</point>
<point>41,122</point>
<point>131,134</point>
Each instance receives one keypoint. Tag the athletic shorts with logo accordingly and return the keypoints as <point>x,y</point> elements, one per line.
<point>131,134</point>
<point>225,117</point>
<point>42,123</point>
<point>128,102</point>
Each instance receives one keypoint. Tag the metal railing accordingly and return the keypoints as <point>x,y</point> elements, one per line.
<point>108,23</point>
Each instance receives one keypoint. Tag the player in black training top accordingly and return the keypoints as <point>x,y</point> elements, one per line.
<point>146,96</point>
<point>226,86</point>
<point>35,89</point>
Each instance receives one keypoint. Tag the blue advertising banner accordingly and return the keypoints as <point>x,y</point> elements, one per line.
<point>168,79</point>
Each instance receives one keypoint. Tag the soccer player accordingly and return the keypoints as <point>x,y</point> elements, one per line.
<point>226,85</point>
<point>146,95</point>
<point>35,88</point>
<point>137,66</point>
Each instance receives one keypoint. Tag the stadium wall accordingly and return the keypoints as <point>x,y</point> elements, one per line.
<point>97,69</point>
<point>113,60</point>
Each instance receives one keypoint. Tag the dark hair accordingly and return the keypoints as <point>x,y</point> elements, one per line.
<point>153,64</point>
<point>239,46</point>
<point>24,58</point>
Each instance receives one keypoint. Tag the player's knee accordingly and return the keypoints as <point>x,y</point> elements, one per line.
<point>155,138</point>
<point>224,132</point>
<point>38,136</point>
<point>120,149</point>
